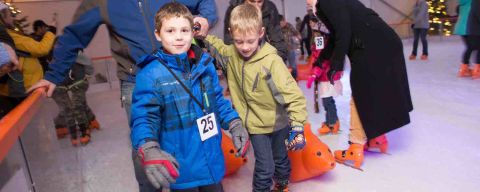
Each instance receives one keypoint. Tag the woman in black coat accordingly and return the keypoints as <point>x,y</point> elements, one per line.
<point>378,77</point>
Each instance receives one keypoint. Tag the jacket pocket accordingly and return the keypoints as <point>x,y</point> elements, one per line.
<point>255,82</point>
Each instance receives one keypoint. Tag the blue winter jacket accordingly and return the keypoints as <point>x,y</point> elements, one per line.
<point>130,24</point>
<point>162,110</point>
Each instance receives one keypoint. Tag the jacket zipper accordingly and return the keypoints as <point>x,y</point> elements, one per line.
<point>145,22</point>
<point>243,92</point>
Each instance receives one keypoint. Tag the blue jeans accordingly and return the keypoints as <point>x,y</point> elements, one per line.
<point>330,110</point>
<point>422,33</point>
<point>126,90</point>
<point>292,61</point>
<point>271,159</point>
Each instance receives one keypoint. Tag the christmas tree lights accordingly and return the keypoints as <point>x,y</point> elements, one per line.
<point>439,20</point>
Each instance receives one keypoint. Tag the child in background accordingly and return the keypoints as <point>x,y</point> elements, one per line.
<point>70,97</point>
<point>271,105</point>
<point>327,90</point>
<point>178,109</point>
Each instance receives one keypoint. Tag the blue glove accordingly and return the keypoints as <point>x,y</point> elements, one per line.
<point>296,140</point>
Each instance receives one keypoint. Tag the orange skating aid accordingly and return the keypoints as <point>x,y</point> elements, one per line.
<point>232,163</point>
<point>325,129</point>
<point>313,160</point>
<point>379,142</point>
<point>353,154</point>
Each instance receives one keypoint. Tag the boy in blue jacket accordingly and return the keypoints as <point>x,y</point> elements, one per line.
<point>178,109</point>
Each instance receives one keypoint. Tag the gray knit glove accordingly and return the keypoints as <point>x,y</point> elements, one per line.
<point>239,137</point>
<point>160,167</point>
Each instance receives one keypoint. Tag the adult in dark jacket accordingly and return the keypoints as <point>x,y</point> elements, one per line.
<point>271,22</point>
<point>131,27</point>
<point>378,74</point>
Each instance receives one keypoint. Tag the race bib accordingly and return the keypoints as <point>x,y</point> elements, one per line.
<point>207,126</point>
<point>319,43</point>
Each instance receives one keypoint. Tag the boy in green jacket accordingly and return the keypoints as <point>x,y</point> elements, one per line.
<point>271,105</point>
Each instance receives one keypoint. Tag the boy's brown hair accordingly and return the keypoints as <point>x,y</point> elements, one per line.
<point>170,10</point>
<point>245,18</point>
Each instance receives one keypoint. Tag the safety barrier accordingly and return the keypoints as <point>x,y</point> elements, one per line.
<point>13,124</point>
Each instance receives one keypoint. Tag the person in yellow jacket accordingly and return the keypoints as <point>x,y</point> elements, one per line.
<point>28,50</point>
<point>271,105</point>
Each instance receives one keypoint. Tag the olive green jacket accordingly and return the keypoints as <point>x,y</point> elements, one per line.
<point>263,92</point>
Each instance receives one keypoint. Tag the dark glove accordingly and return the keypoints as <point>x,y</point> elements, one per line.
<point>239,137</point>
<point>296,140</point>
<point>160,167</point>
<point>330,74</point>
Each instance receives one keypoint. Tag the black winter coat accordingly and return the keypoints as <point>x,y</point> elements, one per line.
<point>473,25</point>
<point>271,22</point>
<point>378,75</point>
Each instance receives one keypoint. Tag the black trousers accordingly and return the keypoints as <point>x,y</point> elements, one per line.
<point>422,34</point>
<point>472,42</point>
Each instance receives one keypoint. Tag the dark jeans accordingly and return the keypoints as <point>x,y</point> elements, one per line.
<point>305,42</point>
<point>271,159</point>
<point>422,33</point>
<point>330,110</point>
<point>126,90</point>
<point>472,42</point>
<point>207,188</point>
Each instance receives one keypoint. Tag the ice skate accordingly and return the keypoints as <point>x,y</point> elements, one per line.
<point>61,132</point>
<point>325,129</point>
<point>464,71</point>
<point>280,187</point>
<point>94,125</point>
<point>476,72</point>
<point>74,140</point>
<point>412,57</point>
<point>424,57</point>
<point>353,154</point>
<point>380,143</point>
<point>85,138</point>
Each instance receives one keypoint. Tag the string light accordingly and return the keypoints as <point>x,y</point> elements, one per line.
<point>438,17</point>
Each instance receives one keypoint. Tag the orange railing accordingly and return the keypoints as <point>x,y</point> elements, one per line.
<point>13,124</point>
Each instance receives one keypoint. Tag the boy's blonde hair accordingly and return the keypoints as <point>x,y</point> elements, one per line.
<point>245,18</point>
<point>170,10</point>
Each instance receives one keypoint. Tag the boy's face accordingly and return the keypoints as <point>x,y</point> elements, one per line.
<point>246,44</point>
<point>175,34</point>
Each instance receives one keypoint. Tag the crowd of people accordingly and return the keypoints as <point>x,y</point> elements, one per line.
<point>167,66</point>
